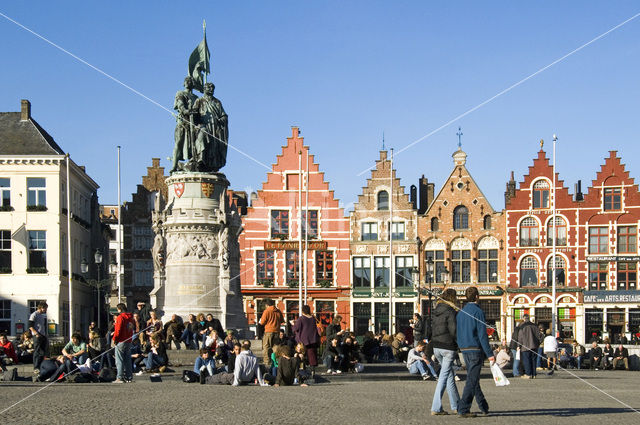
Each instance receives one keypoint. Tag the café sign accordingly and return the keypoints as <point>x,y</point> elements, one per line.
<point>612,296</point>
<point>293,245</point>
<point>594,258</point>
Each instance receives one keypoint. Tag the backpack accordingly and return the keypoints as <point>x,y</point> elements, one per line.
<point>190,376</point>
<point>107,375</point>
<point>10,375</point>
<point>83,378</point>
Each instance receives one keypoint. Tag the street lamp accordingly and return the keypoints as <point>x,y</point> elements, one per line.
<point>84,268</point>
<point>430,279</point>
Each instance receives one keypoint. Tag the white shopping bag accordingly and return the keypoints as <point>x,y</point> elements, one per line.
<point>498,376</point>
<point>518,355</point>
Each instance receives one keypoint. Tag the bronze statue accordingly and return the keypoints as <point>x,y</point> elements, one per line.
<point>183,149</point>
<point>213,132</point>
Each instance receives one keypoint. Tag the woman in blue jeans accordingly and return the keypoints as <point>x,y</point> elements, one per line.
<point>443,341</point>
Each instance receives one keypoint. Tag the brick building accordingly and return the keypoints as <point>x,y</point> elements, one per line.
<point>608,256</point>
<point>529,229</point>
<point>463,244</point>
<point>372,274</point>
<point>269,244</point>
<point>137,234</point>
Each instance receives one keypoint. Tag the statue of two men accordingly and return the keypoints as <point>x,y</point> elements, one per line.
<point>202,131</point>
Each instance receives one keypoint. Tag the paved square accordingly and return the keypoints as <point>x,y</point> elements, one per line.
<point>560,399</point>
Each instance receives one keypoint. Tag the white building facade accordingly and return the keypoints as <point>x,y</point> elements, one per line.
<point>34,253</point>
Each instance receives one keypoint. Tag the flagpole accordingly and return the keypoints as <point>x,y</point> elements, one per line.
<point>299,231</point>
<point>69,263</point>
<point>119,236</point>
<point>391,274</point>
<point>306,233</point>
<point>206,50</point>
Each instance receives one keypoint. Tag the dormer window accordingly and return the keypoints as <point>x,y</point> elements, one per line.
<point>541,194</point>
<point>612,199</point>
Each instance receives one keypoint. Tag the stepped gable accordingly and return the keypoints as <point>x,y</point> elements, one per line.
<point>541,168</point>
<point>287,162</point>
<point>380,177</point>
<point>612,173</point>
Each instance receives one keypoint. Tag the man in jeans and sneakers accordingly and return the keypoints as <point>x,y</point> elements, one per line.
<point>474,344</point>
<point>122,334</point>
<point>38,328</point>
<point>271,320</point>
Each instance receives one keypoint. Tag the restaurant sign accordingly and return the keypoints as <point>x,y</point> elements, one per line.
<point>595,258</point>
<point>293,245</point>
<point>612,296</point>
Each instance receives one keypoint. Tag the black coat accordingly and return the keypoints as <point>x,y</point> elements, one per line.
<point>443,327</point>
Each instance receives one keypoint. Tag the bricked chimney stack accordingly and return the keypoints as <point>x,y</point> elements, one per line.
<point>155,162</point>
<point>511,190</point>
<point>413,191</point>
<point>579,196</point>
<point>383,155</point>
<point>25,110</point>
<point>425,194</point>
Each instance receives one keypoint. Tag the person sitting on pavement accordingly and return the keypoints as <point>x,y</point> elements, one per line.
<point>400,347</point>
<point>385,352</point>
<point>503,359</point>
<point>140,348</point>
<point>621,355</point>
<point>286,340</point>
<point>350,355</point>
<point>76,349</point>
<point>417,362</point>
<point>333,357</point>
<point>595,356</point>
<point>231,359</point>
<point>214,344</point>
<point>607,356</point>
<point>288,368</point>
<point>246,370</point>
<point>173,331</point>
<point>157,358</point>
<point>8,354</point>
<point>577,355</point>
<point>204,364</point>
<point>370,347</point>
<point>275,354</point>
<point>550,346</point>
<point>212,324</point>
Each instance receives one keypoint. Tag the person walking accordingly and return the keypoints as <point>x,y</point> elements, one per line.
<point>443,341</point>
<point>38,328</point>
<point>514,346</point>
<point>122,334</point>
<point>528,337</point>
<point>471,336</point>
<point>306,332</point>
<point>271,320</point>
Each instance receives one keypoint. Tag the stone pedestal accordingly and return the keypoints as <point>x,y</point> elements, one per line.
<point>196,251</point>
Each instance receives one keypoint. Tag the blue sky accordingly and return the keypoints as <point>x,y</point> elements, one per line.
<point>343,72</point>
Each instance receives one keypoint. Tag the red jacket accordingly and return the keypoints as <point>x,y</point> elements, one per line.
<point>10,351</point>
<point>124,327</point>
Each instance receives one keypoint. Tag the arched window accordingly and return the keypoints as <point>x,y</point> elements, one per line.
<point>529,232</point>
<point>529,271</point>
<point>541,194</point>
<point>560,270</point>
<point>561,232</point>
<point>486,222</point>
<point>435,225</point>
<point>383,200</point>
<point>460,218</point>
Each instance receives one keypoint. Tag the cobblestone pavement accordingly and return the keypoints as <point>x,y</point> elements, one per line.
<point>560,399</point>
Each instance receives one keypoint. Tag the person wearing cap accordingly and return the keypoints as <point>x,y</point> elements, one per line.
<point>528,337</point>
<point>144,311</point>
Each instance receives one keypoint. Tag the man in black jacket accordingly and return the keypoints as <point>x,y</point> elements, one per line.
<point>621,355</point>
<point>529,341</point>
<point>595,355</point>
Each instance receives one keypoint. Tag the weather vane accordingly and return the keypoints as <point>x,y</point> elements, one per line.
<point>459,134</point>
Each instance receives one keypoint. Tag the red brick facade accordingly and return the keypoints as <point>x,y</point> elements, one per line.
<point>269,242</point>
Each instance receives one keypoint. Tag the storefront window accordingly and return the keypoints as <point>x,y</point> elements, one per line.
<point>381,317</point>
<point>361,317</point>
<point>593,325</point>
<point>544,317</point>
<point>634,326</point>
<point>615,325</point>
<point>404,313</point>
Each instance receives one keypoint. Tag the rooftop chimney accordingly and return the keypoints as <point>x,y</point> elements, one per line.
<point>25,110</point>
<point>579,196</point>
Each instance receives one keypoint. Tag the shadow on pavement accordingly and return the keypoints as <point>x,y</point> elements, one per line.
<point>564,411</point>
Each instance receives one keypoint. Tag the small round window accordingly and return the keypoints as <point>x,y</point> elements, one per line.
<point>460,185</point>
